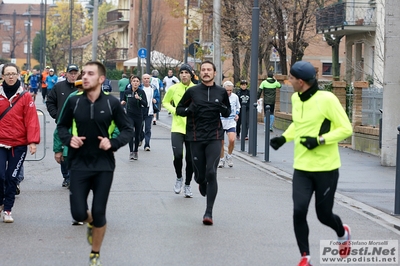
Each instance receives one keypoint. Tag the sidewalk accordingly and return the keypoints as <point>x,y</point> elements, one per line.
<point>363,182</point>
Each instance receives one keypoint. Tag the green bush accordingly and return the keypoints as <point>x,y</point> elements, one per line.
<point>114,74</point>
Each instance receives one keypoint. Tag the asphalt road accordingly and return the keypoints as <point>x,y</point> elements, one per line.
<point>148,224</point>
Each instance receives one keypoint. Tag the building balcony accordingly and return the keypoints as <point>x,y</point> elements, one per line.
<point>347,18</point>
<point>117,54</point>
<point>118,17</point>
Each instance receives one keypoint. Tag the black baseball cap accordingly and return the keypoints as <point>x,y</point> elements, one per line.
<point>72,67</point>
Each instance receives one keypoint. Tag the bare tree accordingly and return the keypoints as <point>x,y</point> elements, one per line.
<point>293,27</point>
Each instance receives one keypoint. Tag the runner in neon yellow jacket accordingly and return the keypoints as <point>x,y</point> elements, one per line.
<point>319,123</point>
<point>178,130</point>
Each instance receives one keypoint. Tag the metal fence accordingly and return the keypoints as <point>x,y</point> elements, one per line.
<point>286,92</point>
<point>41,147</point>
<point>372,99</point>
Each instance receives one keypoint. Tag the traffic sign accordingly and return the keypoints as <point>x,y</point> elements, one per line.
<point>193,48</point>
<point>142,53</point>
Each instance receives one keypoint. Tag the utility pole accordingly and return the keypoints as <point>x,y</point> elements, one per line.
<point>254,78</point>
<point>391,92</point>
<point>71,8</point>
<point>14,36</point>
<point>140,37</point>
<point>41,38</point>
<point>187,33</point>
<point>45,34</point>
<point>217,40</point>
<point>28,41</point>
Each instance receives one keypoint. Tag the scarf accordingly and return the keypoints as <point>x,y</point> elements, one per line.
<point>11,90</point>
<point>309,93</point>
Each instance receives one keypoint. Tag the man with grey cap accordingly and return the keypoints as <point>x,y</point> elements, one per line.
<point>229,125</point>
<point>319,123</point>
<point>55,102</point>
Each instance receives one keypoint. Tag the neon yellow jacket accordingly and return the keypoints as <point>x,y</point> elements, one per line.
<point>171,100</point>
<point>308,117</point>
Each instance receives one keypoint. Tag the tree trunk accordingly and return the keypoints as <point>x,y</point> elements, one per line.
<point>236,62</point>
<point>246,64</point>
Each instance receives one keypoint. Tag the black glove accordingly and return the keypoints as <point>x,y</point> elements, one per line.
<point>277,142</point>
<point>309,142</point>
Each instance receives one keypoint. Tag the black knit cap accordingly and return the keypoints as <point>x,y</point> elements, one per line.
<point>186,67</point>
<point>303,70</point>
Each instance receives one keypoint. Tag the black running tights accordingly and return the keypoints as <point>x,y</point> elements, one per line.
<point>304,185</point>
<point>81,184</point>
<point>205,159</point>
<point>177,140</point>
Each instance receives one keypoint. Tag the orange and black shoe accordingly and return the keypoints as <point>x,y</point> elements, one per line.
<point>207,219</point>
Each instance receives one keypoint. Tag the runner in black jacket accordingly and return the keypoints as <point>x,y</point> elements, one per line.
<point>203,104</point>
<point>92,116</point>
<point>135,101</point>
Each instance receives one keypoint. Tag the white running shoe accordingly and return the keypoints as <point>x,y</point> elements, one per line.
<point>221,163</point>
<point>229,160</point>
<point>7,218</point>
<point>188,191</point>
<point>178,185</point>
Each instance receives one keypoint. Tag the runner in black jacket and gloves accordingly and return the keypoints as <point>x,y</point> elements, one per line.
<point>203,104</point>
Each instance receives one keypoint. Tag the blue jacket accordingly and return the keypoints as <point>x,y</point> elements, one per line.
<point>51,81</point>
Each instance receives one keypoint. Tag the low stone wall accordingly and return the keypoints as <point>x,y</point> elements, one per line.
<point>366,139</point>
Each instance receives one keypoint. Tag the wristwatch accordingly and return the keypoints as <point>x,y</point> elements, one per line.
<point>321,140</point>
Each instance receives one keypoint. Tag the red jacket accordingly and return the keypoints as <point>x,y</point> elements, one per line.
<point>20,126</point>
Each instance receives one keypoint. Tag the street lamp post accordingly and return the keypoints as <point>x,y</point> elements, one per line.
<point>41,38</point>
<point>14,36</point>
<point>94,36</point>
<point>71,8</point>
<point>28,45</point>
<point>148,44</point>
<point>45,33</point>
